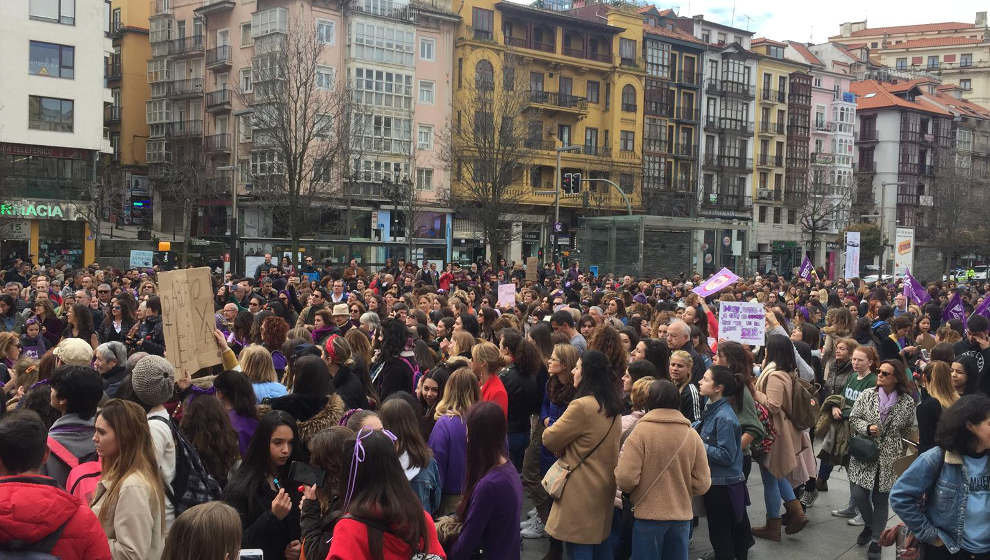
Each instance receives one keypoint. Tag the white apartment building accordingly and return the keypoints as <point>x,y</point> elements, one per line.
<point>52,96</point>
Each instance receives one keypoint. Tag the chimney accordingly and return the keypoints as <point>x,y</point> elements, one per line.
<point>858,25</point>
<point>845,29</point>
<point>981,19</point>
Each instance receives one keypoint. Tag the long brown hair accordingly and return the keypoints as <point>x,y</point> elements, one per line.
<point>135,455</point>
<point>208,531</point>
<point>398,416</point>
<point>459,394</point>
<point>327,451</point>
<point>560,387</point>
<point>486,428</point>
<point>938,382</point>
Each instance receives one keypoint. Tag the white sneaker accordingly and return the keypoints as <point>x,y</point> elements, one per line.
<point>857,521</point>
<point>534,531</point>
<point>528,523</point>
<point>531,513</point>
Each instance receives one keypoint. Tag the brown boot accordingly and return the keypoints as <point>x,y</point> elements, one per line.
<point>771,531</point>
<point>796,519</point>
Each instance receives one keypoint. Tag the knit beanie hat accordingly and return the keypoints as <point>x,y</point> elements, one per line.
<point>153,380</point>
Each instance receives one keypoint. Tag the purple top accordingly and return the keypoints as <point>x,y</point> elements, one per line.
<point>492,518</point>
<point>245,429</point>
<point>448,440</point>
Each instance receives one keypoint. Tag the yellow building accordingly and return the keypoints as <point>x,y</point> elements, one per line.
<point>769,148</point>
<point>579,74</point>
<point>127,77</point>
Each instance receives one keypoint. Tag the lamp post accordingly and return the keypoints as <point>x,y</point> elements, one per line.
<point>881,217</point>
<point>235,226</point>
<point>556,198</point>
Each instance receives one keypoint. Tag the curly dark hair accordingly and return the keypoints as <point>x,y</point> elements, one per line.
<point>953,433</point>
<point>207,427</point>
<point>273,331</point>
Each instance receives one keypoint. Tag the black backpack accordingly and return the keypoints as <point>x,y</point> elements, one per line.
<point>192,484</point>
<point>41,550</point>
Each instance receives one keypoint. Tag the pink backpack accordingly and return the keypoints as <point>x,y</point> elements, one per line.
<point>83,476</point>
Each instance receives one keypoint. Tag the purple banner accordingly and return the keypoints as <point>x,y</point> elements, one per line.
<point>983,308</point>
<point>721,280</point>
<point>955,310</point>
<point>913,290</point>
<point>806,268</point>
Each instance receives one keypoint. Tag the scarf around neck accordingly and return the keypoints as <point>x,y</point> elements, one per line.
<point>886,401</point>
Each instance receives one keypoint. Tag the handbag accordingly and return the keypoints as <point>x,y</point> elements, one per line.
<point>901,464</point>
<point>863,449</point>
<point>555,479</point>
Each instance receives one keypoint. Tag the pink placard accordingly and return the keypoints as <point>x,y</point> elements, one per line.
<point>721,280</point>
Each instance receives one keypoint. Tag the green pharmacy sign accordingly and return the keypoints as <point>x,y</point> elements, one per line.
<point>28,209</point>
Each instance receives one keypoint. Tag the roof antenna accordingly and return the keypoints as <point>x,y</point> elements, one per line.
<point>733,22</point>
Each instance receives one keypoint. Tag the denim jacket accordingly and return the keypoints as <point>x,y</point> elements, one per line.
<point>931,496</point>
<point>719,429</point>
<point>426,485</point>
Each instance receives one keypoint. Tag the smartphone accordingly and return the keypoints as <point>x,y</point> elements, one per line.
<point>307,474</point>
<point>251,554</point>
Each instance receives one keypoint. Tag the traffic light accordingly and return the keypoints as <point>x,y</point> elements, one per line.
<point>570,183</point>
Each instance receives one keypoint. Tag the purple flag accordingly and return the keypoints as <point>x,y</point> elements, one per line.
<point>983,308</point>
<point>913,290</point>
<point>955,310</point>
<point>721,280</point>
<point>805,271</point>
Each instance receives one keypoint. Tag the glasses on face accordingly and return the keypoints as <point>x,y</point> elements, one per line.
<point>355,311</point>
<point>884,373</point>
<point>116,308</point>
<point>103,291</point>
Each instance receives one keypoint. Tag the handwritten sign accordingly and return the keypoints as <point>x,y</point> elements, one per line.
<point>532,269</point>
<point>142,259</point>
<point>187,319</point>
<point>742,322</point>
<point>506,295</point>
<point>721,280</point>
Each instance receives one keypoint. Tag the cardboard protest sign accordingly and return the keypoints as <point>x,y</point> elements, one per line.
<point>506,295</point>
<point>187,319</point>
<point>742,322</point>
<point>532,269</point>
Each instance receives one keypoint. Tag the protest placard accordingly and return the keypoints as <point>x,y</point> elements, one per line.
<point>141,259</point>
<point>721,280</point>
<point>532,269</point>
<point>506,295</point>
<point>187,319</point>
<point>742,322</point>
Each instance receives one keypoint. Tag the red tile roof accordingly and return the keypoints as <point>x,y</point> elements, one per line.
<point>902,86</point>
<point>934,42</point>
<point>764,40</point>
<point>871,94</point>
<point>672,33</point>
<point>809,56</point>
<point>921,28</point>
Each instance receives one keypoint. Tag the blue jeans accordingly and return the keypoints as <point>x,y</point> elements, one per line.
<point>825,470</point>
<point>774,490</point>
<point>574,551</point>
<point>518,442</point>
<point>660,540</point>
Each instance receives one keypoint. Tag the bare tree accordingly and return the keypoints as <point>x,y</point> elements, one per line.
<point>825,208</point>
<point>488,147</point>
<point>956,220</point>
<point>405,198</point>
<point>301,124</point>
<point>106,194</point>
<point>187,180</point>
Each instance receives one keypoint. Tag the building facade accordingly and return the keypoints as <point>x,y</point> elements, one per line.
<point>51,127</point>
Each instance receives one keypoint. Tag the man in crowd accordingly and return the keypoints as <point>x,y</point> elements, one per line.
<point>679,338</point>
<point>562,321</point>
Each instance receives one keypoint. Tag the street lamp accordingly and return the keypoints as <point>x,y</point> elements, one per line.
<point>235,240</point>
<point>882,220</point>
<point>556,197</point>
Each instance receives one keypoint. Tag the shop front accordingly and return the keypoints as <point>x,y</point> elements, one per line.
<point>49,231</point>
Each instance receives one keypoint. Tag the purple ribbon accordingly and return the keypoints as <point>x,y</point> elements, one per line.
<point>358,457</point>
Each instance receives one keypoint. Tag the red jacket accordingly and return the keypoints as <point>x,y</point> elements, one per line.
<point>350,542</point>
<point>33,506</point>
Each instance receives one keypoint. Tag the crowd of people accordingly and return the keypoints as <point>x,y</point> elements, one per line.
<point>409,412</point>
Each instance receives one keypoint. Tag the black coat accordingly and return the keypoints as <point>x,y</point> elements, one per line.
<point>392,376</point>
<point>348,385</point>
<point>525,397</point>
<point>261,529</point>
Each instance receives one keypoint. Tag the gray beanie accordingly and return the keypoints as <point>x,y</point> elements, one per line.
<point>153,380</point>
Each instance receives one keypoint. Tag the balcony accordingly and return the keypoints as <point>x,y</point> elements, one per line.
<point>683,150</point>
<point>187,46</point>
<point>798,130</point>
<point>727,87</point>
<point>689,79</point>
<point>215,7</point>
<point>768,95</point>
<point>218,58</point>
<point>766,194</point>
<point>792,198</point>
<point>771,127</point>
<point>734,126</point>
<point>218,101</point>
<point>184,129</point>
<point>867,135</point>
<point>627,155</point>
<point>728,162</point>
<point>161,8</point>
<point>866,167</point>
<point>390,10</point>
<point>111,114</point>
<point>113,70</point>
<point>689,114</point>
<point>217,144</point>
<point>767,160</point>
<point>269,22</point>
<point>824,127</point>
<point>178,89</point>
<point>541,145</point>
<point>551,100</point>
<point>818,158</point>
<point>584,53</point>
<point>597,151</point>
<point>714,203</point>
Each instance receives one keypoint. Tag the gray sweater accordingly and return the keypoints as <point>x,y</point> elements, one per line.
<point>76,435</point>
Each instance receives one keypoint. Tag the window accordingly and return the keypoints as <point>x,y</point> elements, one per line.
<point>378,42</point>
<point>323,125</point>
<point>424,137</point>
<point>629,98</point>
<point>245,81</point>
<point>902,63</point>
<point>658,59</point>
<point>791,216</point>
<point>627,141</point>
<point>776,215</point>
<point>627,182</point>
<point>424,179</point>
<point>50,59</point>
<point>592,92</point>
<point>326,31</point>
<point>627,51</point>
<point>763,214</point>
<point>966,59</point>
<point>776,51</point>
<point>383,133</point>
<point>426,91</point>
<point>325,77</point>
<point>50,113</point>
<point>706,37</point>
<point>265,163</point>
<point>966,84</point>
<point>246,39</point>
<point>382,88</point>
<point>427,49</point>
<point>244,130</point>
<point>933,61</point>
<point>721,38</point>
<point>509,78</point>
<point>484,75</point>
<point>481,21</point>
<point>590,140</point>
<point>55,11</point>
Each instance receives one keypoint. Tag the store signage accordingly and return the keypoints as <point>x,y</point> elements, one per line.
<point>38,209</point>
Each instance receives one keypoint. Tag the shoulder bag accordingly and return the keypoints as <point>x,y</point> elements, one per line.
<point>556,477</point>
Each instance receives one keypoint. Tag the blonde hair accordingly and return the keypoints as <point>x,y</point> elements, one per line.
<point>460,392</point>
<point>568,357</point>
<point>939,383</point>
<point>462,340</point>
<point>360,345</point>
<point>25,375</point>
<point>208,531</point>
<point>488,354</point>
<point>341,352</point>
<point>640,392</point>
<point>683,356</point>
<point>256,362</point>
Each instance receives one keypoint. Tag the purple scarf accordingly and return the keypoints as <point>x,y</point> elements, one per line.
<point>886,402</point>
